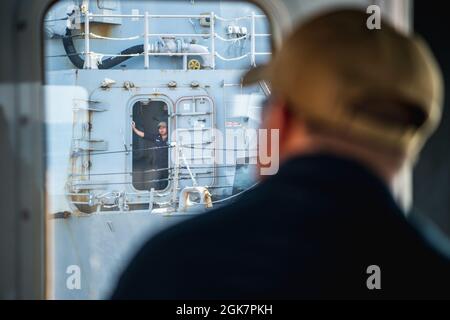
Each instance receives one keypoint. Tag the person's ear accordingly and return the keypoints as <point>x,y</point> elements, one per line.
<point>277,116</point>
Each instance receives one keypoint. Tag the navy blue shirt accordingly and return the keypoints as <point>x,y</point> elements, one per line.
<point>161,153</point>
<point>310,231</point>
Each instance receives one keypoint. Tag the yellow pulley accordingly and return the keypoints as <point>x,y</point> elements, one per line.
<point>194,64</point>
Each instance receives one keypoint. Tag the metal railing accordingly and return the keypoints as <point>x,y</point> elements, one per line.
<point>147,35</point>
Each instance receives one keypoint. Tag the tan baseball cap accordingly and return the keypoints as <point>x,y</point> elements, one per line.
<point>380,86</point>
<point>162,124</point>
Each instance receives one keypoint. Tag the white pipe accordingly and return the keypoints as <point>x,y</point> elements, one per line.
<point>175,54</point>
<point>151,15</point>
<point>253,44</point>
<point>176,173</point>
<point>87,61</point>
<point>193,49</point>
<point>146,44</point>
<point>212,63</point>
<point>150,54</point>
<point>179,35</point>
<point>196,48</point>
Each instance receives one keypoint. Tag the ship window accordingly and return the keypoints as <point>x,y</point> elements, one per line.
<point>150,145</point>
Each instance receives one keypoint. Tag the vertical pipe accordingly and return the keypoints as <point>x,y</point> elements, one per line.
<point>146,45</point>
<point>213,41</point>
<point>253,62</point>
<point>87,50</point>
<point>176,173</point>
<point>150,203</point>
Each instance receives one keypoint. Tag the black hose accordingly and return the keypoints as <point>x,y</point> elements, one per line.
<point>114,61</point>
<point>107,63</point>
<point>71,51</point>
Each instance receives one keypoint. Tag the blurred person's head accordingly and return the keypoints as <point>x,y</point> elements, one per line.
<point>162,128</point>
<point>338,87</point>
